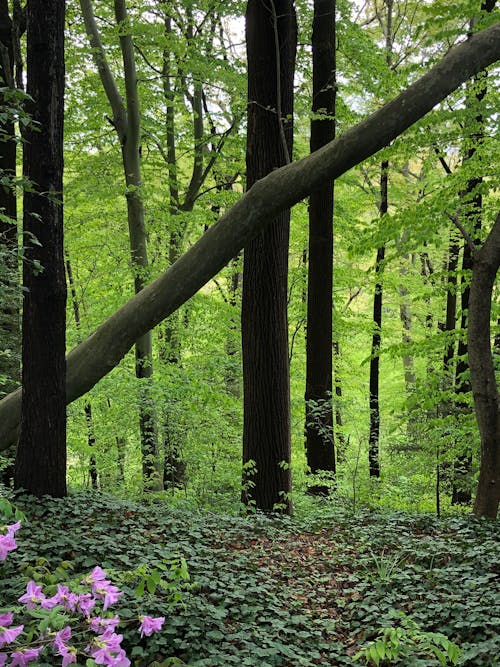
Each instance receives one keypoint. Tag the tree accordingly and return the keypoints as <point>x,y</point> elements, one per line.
<point>486,262</point>
<point>280,189</point>
<point>9,310</point>
<point>126,122</point>
<point>319,345</point>
<point>271,43</point>
<point>41,453</point>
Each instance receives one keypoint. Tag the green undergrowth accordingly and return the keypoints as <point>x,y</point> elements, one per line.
<point>266,591</point>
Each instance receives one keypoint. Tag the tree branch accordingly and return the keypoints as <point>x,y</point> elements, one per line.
<point>107,79</point>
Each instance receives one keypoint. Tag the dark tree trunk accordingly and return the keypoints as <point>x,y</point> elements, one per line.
<point>482,370</point>
<point>41,453</point>
<point>320,448</point>
<point>10,339</point>
<point>472,198</point>
<point>10,332</point>
<point>270,31</point>
<point>374,434</point>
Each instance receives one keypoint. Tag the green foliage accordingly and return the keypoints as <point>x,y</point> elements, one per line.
<point>313,590</point>
<point>408,643</point>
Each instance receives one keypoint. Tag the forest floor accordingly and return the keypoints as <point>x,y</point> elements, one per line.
<point>262,591</point>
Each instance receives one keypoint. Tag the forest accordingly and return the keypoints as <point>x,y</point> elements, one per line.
<point>249,333</point>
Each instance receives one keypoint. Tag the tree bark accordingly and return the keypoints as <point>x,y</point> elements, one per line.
<point>271,43</point>
<point>126,121</point>
<point>484,388</point>
<point>88,407</point>
<point>320,446</point>
<point>473,201</point>
<point>10,335</point>
<point>41,453</point>
<point>374,433</point>
<point>102,351</point>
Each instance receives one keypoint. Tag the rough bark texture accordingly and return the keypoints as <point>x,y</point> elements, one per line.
<point>41,452</point>
<point>482,370</point>
<point>320,449</point>
<point>264,321</point>
<point>282,188</point>
<point>10,337</point>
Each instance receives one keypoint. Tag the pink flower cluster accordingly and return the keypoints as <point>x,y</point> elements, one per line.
<point>105,647</point>
<point>7,542</point>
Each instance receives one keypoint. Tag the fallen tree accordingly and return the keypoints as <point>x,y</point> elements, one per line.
<point>92,359</point>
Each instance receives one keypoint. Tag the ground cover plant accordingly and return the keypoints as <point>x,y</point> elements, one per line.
<point>326,588</point>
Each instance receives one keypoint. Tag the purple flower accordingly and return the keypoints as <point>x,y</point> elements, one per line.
<point>6,618</point>
<point>149,625</point>
<point>106,650</point>
<point>103,625</point>
<point>7,544</point>
<point>68,657</point>
<point>11,530</point>
<point>22,658</point>
<point>3,659</point>
<point>8,635</point>
<point>33,595</point>
<point>68,653</point>
<point>62,637</point>
<point>64,597</point>
<point>97,574</point>
<point>85,604</point>
<point>106,592</point>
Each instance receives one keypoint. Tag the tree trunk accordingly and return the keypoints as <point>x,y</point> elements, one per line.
<point>10,330</point>
<point>320,447</point>
<point>271,44</point>
<point>88,406</point>
<point>484,388</point>
<point>472,197</point>
<point>10,338</point>
<point>374,433</point>
<point>102,351</point>
<point>41,453</point>
<point>126,121</point>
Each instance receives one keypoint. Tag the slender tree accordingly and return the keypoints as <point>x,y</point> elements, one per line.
<point>320,447</point>
<point>271,45</point>
<point>41,453</point>
<point>88,406</point>
<point>374,381</point>
<point>126,122</point>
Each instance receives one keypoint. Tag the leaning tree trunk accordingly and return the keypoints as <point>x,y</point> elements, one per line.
<point>103,350</point>
<point>320,448</point>
<point>271,44</point>
<point>41,453</point>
